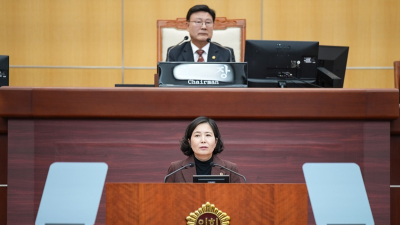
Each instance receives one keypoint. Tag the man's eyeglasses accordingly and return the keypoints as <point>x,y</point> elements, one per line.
<point>200,23</point>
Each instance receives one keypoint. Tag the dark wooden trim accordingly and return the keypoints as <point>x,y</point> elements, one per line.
<point>16,101</point>
<point>394,206</point>
<point>395,125</point>
<point>3,125</point>
<point>3,159</point>
<point>222,103</point>
<point>3,205</point>
<point>396,73</point>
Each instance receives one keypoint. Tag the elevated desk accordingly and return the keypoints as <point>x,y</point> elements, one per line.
<point>269,133</point>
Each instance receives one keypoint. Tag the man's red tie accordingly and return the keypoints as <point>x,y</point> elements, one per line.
<point>200,52</point>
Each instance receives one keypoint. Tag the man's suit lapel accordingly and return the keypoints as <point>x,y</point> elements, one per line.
<point>212,55</point>
<point>190,171</point>
<point>187,53</point>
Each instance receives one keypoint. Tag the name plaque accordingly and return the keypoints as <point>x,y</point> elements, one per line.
<point>191,74</point>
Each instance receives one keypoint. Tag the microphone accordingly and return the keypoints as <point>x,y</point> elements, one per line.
<point>230,53</point>
<point>212,164</point>
<point>183,167</point>
<point>184,39</point>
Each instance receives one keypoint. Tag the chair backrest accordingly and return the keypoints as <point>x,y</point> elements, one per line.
<point>227,32</point>
<point>396,74</point>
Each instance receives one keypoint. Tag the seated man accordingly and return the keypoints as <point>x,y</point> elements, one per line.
<point>200,24</point>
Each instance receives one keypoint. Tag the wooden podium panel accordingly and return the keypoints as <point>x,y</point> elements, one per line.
<point>140,203</point>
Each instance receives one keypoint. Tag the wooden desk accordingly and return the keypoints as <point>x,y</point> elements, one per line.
<point>269,133</point>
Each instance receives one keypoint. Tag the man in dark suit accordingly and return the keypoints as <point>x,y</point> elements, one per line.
<point>200,24</point>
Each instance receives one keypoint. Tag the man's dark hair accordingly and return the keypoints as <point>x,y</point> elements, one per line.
<point>200,8</point>
<point>185,145</point>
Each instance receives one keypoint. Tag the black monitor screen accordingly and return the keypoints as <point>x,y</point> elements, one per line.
<point>273,63</point>
<point>210,178</point>
<point>334,59</point>
<point>4,68</point>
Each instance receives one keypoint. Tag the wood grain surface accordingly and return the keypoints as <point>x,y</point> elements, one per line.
<point>132,203</point>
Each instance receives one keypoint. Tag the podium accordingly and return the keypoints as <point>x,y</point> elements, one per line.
<point>146,203</point>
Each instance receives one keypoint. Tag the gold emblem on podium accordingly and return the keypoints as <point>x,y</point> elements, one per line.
<point>208,215</point>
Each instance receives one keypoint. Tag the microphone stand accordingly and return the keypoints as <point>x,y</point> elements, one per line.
<point>212,164</point>
<point>183,167</point>
<point>184,39</point>
<point>216,43</point>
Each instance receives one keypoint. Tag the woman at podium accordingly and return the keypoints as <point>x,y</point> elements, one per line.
<point>201,143</point>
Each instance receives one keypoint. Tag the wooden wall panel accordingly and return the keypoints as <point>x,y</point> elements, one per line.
<point>369,79</point>
<point>89,32</point>
<point>141,47</point>
<point>141,151</point>
<point>366,26</point>
<point>142,76</point>
<point>41,77</point>
<point>62,33</point>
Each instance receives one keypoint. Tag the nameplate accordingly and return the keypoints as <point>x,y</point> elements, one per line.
<point>191,74</point>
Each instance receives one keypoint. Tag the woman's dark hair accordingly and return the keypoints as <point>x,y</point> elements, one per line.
<point>200,8</point>
<point>185,145</point>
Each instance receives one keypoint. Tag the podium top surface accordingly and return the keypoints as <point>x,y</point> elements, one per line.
<point>181,103</point>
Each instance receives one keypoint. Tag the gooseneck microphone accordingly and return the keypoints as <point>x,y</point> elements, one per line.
<point>212,164</point>
<point>183,167</point>
<point>216,43</point>
<point>184,39</point>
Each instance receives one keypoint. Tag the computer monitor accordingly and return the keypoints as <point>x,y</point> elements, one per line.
<point>210,178</point>
<point>327,79</point>
<point>281,63</point>
<point>334,59</point>
<point>4,68</point>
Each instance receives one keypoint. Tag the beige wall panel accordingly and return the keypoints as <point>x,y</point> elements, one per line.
<point>369,27</point>
<point>62,32</point>
<point>140,23</point>
<point>64,77</point>
<point>141,76</point>
<point>369,79</point>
